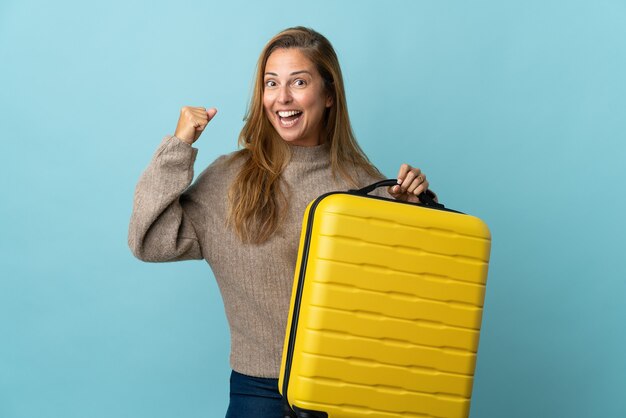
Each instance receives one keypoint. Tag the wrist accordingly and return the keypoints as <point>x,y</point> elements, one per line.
<point>186,141</point>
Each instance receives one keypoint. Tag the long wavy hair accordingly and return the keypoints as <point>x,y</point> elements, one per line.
<point>256,199</point>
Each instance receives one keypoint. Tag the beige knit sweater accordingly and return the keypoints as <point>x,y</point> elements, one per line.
<point>172,221</point>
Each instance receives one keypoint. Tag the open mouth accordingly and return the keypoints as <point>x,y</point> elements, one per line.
<point>288,118</point>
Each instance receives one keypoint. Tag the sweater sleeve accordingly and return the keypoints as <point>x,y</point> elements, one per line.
<point>165,222</point>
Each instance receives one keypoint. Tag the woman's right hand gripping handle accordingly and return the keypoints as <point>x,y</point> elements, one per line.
<point>192,122</point>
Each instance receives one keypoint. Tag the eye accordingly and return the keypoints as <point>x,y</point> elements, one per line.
<point>270,83</point>
<point>299,82</point>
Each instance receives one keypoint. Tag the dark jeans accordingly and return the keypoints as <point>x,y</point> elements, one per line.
<point>254,397</point>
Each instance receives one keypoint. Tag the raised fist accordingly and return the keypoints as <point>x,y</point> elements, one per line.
<point>192,122</point>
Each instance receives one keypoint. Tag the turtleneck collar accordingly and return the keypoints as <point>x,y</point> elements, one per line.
<point>309,154</point>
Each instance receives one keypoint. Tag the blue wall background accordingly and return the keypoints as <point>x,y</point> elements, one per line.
<point>515,110</point>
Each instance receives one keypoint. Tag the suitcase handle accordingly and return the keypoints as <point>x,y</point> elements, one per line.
<point>427,198</point>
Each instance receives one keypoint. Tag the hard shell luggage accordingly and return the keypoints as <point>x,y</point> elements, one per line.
<point>386,309</point>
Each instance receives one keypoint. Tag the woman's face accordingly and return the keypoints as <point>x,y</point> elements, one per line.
<point>294,97</point>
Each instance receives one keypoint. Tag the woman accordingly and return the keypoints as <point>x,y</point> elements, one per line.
<point>297,143</point>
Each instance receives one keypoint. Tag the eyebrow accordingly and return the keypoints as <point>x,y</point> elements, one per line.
<point>294,73</point>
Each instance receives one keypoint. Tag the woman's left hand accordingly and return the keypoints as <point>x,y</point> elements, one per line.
<point>411,183</point>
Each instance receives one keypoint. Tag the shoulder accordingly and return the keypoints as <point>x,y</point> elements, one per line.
<point>217,177</point>
<point>225,164</point>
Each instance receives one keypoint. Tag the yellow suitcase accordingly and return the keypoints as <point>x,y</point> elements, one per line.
<point>386,309</point>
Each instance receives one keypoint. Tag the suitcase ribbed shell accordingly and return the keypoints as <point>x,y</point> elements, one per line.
<point>386,309</point>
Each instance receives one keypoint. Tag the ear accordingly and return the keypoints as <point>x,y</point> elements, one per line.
<point>329,100</point>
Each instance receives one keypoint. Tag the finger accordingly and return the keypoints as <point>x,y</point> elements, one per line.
<point>195,111</point>
<point>189,110</point>
<point>194,117</point>
<point>204,116</point>
<point>199,125</point>
<point>420,179</point>
<point>409,179</point>
<point>393,190</point>
<point>404,168</point>
<point>421,188</point>
<point>396,193</point>
<point>199,114</point>
<point>201,118</point>
<point>200,109</point>
<point>199,122</point>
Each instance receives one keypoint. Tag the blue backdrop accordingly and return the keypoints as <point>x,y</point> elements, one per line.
<point>515,110</point>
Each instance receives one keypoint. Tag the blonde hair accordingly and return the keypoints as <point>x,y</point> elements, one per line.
<point>256,199</point>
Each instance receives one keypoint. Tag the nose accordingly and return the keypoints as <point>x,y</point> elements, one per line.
<point>284,95</point>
